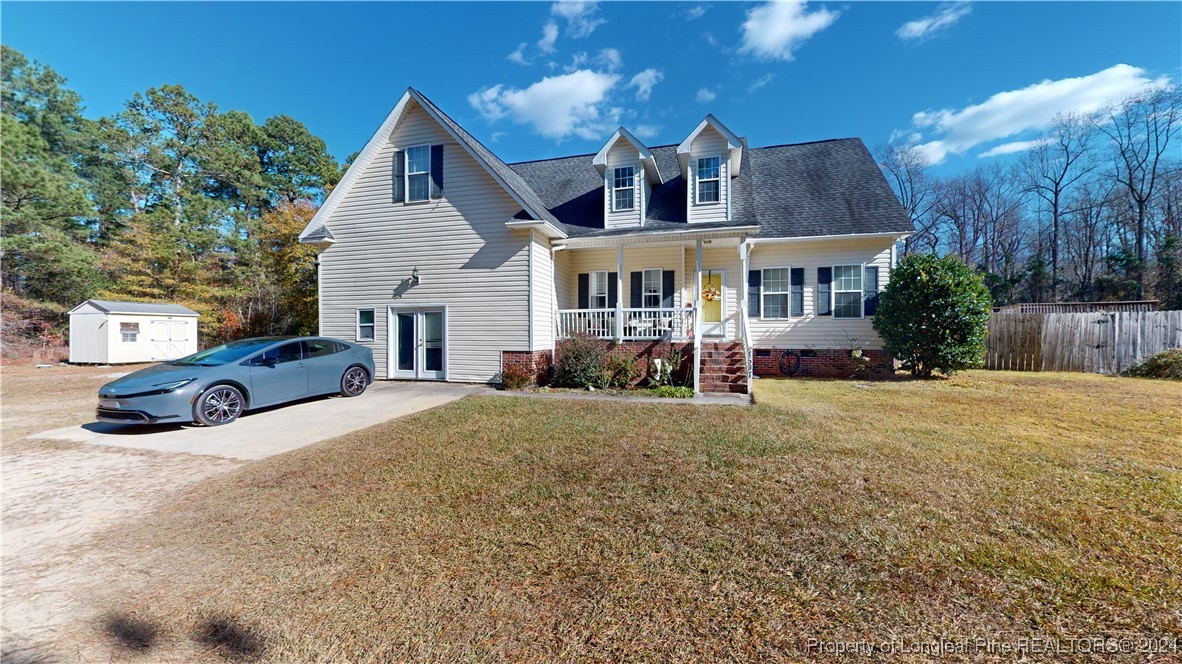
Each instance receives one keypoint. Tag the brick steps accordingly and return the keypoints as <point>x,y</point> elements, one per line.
<point>722,368</point>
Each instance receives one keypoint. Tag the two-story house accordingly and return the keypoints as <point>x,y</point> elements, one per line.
<point>452,264</point>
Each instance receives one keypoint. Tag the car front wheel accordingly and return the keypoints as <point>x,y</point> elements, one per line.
<point>221,404</point>
<point>354,381</point>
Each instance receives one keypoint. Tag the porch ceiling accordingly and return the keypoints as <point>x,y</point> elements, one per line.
<point>729,237</point>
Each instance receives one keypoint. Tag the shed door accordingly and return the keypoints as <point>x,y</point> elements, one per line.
<point>168,339</point>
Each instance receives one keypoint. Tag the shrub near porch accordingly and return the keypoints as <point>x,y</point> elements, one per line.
<point>991,504</point>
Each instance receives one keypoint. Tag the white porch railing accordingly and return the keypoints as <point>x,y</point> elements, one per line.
<point>635,324</point>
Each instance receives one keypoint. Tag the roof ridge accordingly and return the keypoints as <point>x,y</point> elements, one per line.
<point>823,140</point>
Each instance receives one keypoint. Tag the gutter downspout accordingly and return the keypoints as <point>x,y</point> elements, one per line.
<point>529,302</point>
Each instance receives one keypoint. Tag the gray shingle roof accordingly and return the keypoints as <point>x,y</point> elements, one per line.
<point>117,307</point>
<point>824,188</point>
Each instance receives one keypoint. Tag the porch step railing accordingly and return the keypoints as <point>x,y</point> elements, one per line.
<point>633,324</point>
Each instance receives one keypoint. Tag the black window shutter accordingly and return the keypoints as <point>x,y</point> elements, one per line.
<point>667,289</point>
<point>584,290</point>
<point>870,291</point>
<point>436,171</point>
<point>399,179</point>
<point>613,293</point>
<point>824,277</point>
<point>797,291</point>
<point>637,290</point>
<point>754,282</point>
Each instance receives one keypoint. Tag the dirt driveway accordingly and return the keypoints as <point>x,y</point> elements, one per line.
<point>61,488</point>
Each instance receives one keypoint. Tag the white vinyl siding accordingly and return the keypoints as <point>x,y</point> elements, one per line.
<point>811,330</point>
<point>623,155</point>
<point>776,292</point>
<point>709,143</point>
<point>542,295</point>
<point>467,258</point>
<point>636,259</point>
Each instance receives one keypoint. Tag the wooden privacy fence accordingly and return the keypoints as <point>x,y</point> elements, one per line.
<point>1097,342</point>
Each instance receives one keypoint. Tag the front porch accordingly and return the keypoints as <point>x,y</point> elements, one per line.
<point>644,292</point>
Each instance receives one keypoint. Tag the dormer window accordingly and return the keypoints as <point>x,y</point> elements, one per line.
<point>623,188</point>
<point>708,184</point>
<point>418,173</point>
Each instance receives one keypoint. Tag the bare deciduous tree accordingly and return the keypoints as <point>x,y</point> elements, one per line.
<point>905,167</point>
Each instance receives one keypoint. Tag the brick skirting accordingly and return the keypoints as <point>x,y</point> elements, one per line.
<point>823,362</point>
<point>537,363</point>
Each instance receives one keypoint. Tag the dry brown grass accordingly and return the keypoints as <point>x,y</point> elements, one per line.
<point>992,505</point>
<point>35,400</point>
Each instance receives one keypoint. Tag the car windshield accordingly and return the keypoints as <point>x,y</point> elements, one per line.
<point>224,354</point>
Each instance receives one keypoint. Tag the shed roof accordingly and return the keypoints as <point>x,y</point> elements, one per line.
<point>116,307</point>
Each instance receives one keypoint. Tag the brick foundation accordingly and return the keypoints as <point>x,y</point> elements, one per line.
<point>537,363</point>
<point>823,362</point>
<point>645,350</point>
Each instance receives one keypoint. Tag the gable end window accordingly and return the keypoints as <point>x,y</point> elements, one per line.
<point>365,325</point>
<point>418,173</point>
<point>775,293</point>
<point>709,186</point>
<point>847,291</point>
<point>623,188</point>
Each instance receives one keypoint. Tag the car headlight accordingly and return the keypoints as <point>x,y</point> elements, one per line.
<point>173,385</point>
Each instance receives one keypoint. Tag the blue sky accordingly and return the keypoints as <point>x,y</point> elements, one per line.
<point>536,80</point>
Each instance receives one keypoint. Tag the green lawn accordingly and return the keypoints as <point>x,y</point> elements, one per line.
<point>993,505</point>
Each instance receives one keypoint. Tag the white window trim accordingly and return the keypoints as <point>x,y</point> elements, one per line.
<point>357,325</point>
<point>135,337</point>
<point>833,290</point>
<point>591,294</point>
<point>660,287</point>
<point>406,174</point>
<point>762,291</point>
<point>698,189</point>
<point>614,188</point>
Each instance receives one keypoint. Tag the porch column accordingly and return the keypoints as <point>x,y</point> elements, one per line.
<point>697,290</point>
<point>619,292</point>
<point>744,305</point>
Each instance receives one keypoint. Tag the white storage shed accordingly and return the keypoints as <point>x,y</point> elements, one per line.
<point>106,332</point>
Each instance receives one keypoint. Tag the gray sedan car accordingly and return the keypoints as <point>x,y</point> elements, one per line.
<point>217,385</point>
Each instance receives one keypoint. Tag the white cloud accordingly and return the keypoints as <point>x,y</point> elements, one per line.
<point>518,55</point>
<point>760,82</point>
<point>498,135</point>
<point>580,16</point>
<point>694,13</point>
<point>646,130</point>
<point>1032,108</point>
<point>947,14</point>
<point>706,95</point>
<point>1011,147</point>
<point>609,59</point>
<point>549,36</point>
<point>644,83</point>
<point>710,38</point>
<point>556,106</point>
<point>775,29</point>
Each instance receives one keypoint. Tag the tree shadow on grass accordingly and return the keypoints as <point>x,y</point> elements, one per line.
<point>229,639</point>
<point>131,633</point>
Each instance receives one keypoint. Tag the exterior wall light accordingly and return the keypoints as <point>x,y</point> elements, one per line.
<point>414,276</point>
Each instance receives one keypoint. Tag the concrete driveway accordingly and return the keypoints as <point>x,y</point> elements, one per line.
<point>271,431</point>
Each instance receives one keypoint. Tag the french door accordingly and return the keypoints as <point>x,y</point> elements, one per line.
<point>418,343</point>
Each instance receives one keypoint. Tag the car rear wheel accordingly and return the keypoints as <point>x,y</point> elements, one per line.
<point>221,404</point>
<point>354,381</point>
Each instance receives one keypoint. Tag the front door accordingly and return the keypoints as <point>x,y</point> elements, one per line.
<point>418,343</point>
<point>713,281</point>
